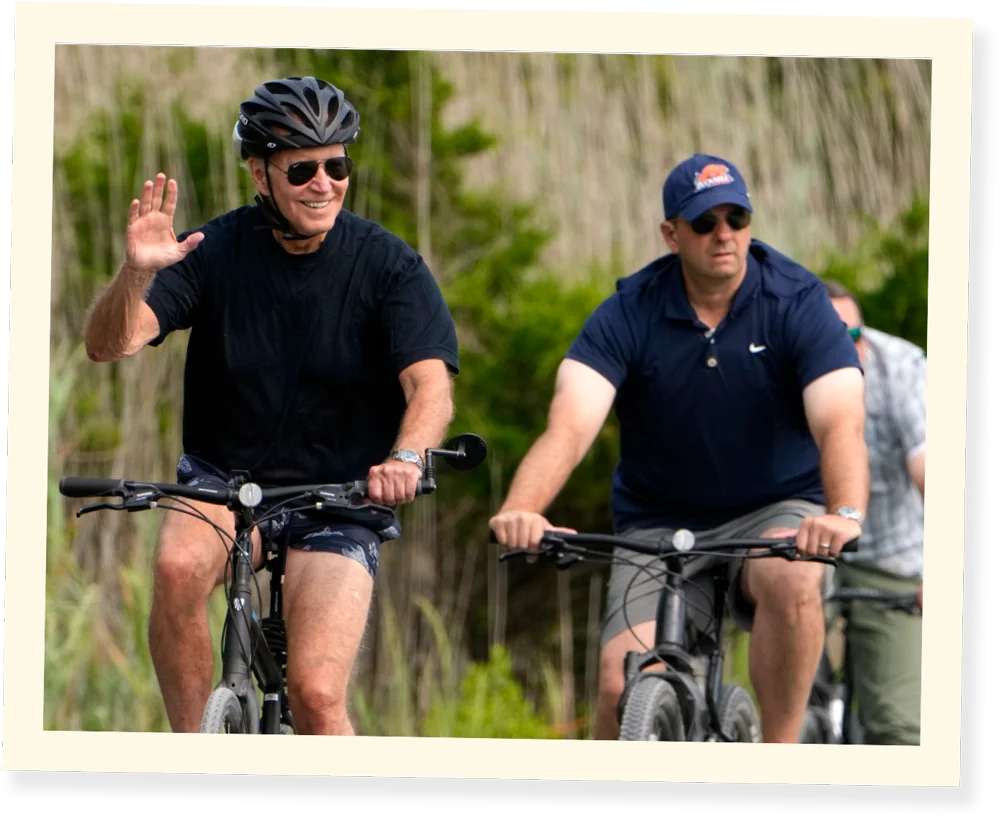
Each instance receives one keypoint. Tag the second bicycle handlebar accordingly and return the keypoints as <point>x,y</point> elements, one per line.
<point>682,542</point>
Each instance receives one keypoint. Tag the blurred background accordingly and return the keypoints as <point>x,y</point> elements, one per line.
<point>529,183</point>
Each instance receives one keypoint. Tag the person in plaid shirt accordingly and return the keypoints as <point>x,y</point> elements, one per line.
<point>885,645</point>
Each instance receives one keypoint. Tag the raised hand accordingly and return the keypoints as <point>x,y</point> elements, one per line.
<point>150,242</point>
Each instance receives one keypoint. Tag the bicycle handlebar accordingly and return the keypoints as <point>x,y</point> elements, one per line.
<point>462,452</point>
<point>561,546</point>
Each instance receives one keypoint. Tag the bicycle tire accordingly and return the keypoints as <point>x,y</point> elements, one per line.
<point>738,716</point>
<point>651,712</point>
<point>815,728</point>
<point>223,713</point>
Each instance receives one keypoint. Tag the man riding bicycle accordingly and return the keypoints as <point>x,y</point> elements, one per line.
<point>739,397</point>
<point>886,644</point>
<point>320,345</point>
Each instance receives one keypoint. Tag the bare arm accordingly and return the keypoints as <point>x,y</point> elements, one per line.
<point>835,411</point>
<point>578,410</point>
<point>120,322</point>
<point>429,409</point>
<point>915,466</point>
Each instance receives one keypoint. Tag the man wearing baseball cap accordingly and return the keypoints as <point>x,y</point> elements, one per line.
<point>740,404</point>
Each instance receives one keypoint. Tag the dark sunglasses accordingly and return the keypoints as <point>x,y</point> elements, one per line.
<point>855,333</point>
<point>737,218</point>
<point>337,168</point>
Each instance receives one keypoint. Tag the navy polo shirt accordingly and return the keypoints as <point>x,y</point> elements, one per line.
<point>712,422</point>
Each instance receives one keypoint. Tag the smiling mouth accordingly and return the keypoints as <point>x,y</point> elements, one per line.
<point>317,205</point>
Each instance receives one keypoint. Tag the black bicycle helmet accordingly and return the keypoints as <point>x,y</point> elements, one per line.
<point>295,112</point>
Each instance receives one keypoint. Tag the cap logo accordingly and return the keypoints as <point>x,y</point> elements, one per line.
<point>711,176</point>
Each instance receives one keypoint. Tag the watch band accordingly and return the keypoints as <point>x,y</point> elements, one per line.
<point>407,456</point>
<point>850,513</point>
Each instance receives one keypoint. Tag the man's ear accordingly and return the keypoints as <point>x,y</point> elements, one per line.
<point>669,231</point>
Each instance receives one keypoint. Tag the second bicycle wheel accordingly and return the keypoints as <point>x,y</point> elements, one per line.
<point>223,713</point>
<point>651,713</point>
<point>737,715</point>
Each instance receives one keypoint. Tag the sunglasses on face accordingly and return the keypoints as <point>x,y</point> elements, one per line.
<point>337,168</point>
<point>855,333</point>
<point>737,218</point>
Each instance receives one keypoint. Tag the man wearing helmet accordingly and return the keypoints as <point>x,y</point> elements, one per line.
<point>320,345</point>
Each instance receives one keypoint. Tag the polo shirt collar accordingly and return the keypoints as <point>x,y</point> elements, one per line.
<point>677,305</point>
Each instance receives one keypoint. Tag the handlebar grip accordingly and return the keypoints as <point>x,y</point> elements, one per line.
<point>89,486</point>
<point>850,547</point>
<point>425,486</point>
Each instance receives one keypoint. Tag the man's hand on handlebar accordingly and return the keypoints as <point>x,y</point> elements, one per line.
<point>393,482</point>
<point>828,530</point>
<point>522,530</point>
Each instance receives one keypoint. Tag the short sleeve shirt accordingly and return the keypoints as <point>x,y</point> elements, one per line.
<point>712,422</point>
<point>293,361</point>
<point>895,429</point>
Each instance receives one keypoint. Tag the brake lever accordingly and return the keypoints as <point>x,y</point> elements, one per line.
<point>98,506</point>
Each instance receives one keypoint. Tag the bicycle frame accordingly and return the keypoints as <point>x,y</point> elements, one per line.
<point>699,707</point>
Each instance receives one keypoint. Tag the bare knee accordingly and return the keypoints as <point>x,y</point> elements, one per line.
<point>791,591</point>
<point>321,694</point>
<point>182,567</point>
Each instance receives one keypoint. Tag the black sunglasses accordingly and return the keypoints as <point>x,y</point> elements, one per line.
<point>737,218</point>
<point>337,168</point>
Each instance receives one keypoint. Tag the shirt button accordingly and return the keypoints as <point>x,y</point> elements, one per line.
<point>712,361</point>
<point>709,333</point>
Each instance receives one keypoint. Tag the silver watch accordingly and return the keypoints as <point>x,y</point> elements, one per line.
<point>407,456</point>
<point>850,513</point>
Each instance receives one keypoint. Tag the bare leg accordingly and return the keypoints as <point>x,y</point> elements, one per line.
<point>611,680</point>
<point>786,641</point>
<point>327,598</point>
<point>190,561</point>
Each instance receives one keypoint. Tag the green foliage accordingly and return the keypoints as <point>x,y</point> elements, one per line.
<point>888,271</point>
<point>491,704</point>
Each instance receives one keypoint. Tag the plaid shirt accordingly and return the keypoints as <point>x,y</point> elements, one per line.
<point>895,387</point>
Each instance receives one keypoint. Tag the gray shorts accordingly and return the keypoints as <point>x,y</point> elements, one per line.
<point>633,595</point>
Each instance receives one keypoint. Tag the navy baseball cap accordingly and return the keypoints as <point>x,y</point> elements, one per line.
<point>700,183</point>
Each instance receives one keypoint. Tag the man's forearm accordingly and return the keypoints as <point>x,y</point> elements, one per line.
<point>543,472</point>
<point>112,318</point>
<point>428,414</point>
<point>844,467</point>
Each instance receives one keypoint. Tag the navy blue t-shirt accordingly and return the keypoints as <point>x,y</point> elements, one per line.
<point>293,360</point>
<point>712,424</point>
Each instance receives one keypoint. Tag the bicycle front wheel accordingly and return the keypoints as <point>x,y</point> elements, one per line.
<point>223,713</point>
<point>651,713</point>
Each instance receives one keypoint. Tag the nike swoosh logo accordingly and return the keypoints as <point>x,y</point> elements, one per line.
<point>755,349</point>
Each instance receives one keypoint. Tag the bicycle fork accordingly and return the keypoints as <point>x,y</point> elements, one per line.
<point>244,648</point>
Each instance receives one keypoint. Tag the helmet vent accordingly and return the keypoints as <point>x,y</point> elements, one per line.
<point>312,99</point>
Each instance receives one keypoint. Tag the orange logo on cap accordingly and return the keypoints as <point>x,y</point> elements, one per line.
<point>712,175</point>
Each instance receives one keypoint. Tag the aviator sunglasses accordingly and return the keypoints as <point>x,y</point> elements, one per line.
<point>737,219</point>
<point>337,168</point>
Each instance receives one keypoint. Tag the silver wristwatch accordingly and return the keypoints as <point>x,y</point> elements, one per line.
<point>407,456</point>
<point>850,513</point>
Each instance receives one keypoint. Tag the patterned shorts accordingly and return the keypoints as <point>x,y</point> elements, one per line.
<point>306,530</point>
